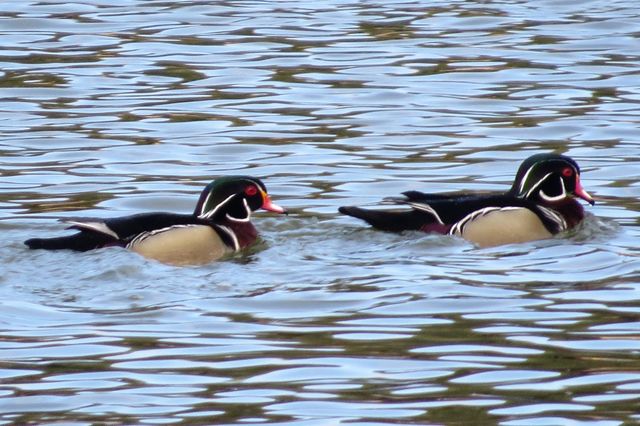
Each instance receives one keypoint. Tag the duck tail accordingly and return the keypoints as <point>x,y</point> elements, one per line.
<point>82,241</point>
<point>388,220</point>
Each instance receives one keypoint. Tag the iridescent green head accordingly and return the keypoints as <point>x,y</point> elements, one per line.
<point>549,178</point>
<point>234,198</point>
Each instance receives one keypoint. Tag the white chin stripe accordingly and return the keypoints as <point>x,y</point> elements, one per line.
<point>560,197</point>
<point>247,210</point>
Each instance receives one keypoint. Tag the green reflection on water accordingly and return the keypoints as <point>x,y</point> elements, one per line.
<point>177,70</point>
<point>15,79</point>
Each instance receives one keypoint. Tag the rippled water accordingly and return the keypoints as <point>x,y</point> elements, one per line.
<point>111,108</point>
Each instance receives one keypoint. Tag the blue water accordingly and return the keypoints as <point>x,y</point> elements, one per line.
<point>114,108</point>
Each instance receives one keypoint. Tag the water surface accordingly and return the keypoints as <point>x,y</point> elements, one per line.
<point>114,108</point>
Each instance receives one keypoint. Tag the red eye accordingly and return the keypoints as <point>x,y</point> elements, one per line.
<point>251,190</point>
<point>567,171</point>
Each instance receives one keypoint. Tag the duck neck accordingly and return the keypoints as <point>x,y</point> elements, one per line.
<point>244,231</point>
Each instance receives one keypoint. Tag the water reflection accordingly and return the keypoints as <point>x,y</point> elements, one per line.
<point>111,108</point>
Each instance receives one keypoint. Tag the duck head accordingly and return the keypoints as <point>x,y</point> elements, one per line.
<point>549,179</point>
<point>234,198</point>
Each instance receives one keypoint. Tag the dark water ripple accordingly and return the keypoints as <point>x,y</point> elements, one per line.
<point>116,107</point>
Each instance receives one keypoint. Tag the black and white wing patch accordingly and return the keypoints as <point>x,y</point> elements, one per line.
<point>99,227</point>
<point>412,201</point>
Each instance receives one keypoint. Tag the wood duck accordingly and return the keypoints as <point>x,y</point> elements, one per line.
<point>220,224</point>
<point>540,203</point>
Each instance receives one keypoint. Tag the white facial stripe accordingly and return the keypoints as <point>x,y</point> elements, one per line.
<point>210,214</point>
<point>206,200</point>
<point>247,209</point>
<point>534,187</point>
<point>557,197</point>
<point>525,178</point>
